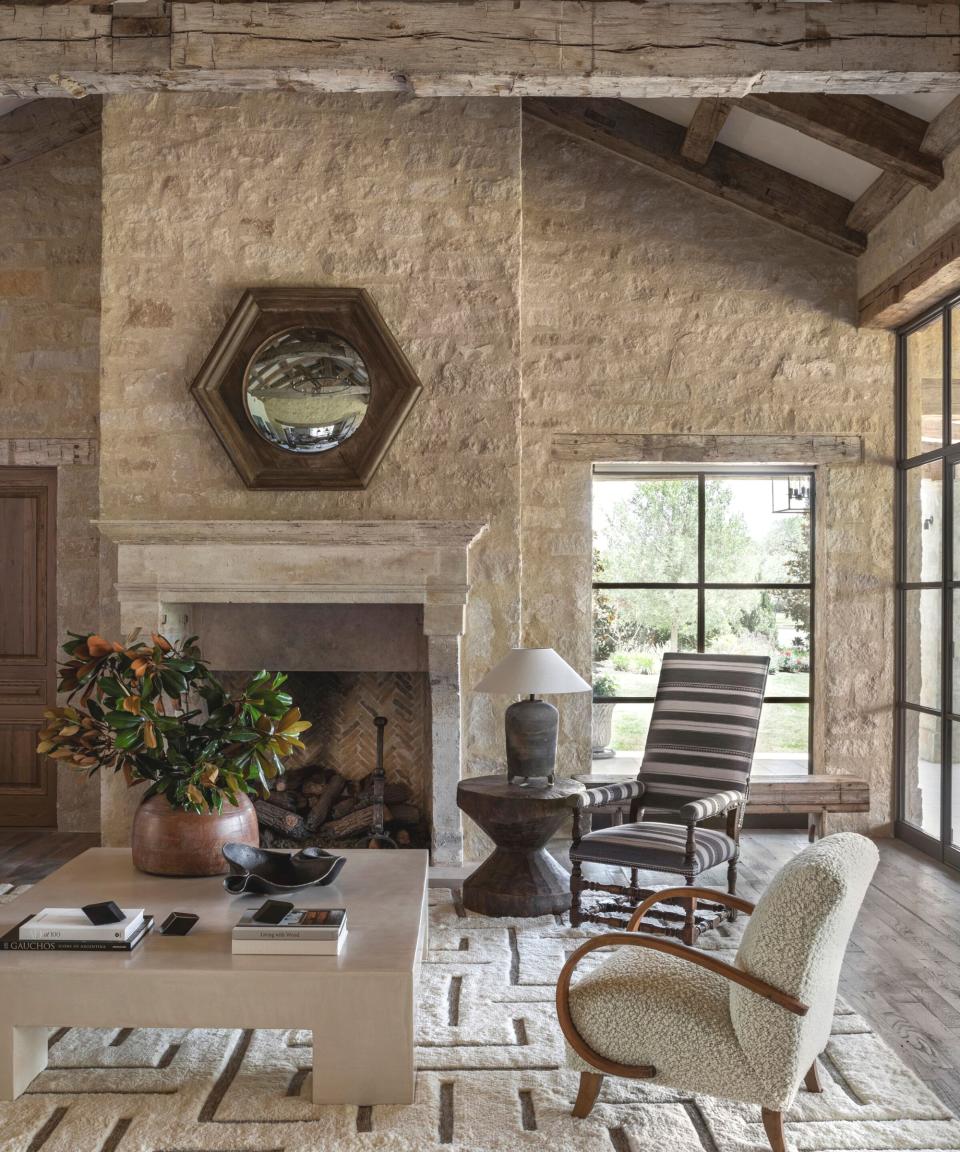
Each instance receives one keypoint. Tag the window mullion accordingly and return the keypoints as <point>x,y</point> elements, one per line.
<point>701,560</point>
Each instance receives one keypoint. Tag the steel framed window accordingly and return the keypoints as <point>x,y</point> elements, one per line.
<point>702,586</point>
<point>916,719</point>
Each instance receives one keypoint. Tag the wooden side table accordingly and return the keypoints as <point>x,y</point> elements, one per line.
<point>519,878</point>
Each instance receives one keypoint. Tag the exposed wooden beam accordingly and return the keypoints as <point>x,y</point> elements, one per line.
<point>878,133</point>
<point>885,193</point>
<point>918,285</point>
<point>720,448</point>
<point>654,142</point>
<point>483,47</point>
<point>709,117</point>
<point>43,125</point>
<point>876,201</point>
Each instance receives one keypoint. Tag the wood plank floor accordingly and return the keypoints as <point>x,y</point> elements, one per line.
<point>902,970</point>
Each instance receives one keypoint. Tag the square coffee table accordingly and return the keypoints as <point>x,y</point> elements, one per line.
<point>360,1005</point>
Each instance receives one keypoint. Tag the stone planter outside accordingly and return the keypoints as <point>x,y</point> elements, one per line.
<point>602,730</point>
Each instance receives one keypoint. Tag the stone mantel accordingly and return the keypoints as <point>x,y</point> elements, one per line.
<point>164,567</point>
<point>300,562</point>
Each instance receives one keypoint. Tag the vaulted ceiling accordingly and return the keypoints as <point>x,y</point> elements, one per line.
<point>828,166</point>
<point>831,167</point>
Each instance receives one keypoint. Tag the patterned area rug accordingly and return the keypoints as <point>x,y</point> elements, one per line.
<point>492,1078</point>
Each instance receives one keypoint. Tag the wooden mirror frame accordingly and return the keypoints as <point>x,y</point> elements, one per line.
<point>348,312</point>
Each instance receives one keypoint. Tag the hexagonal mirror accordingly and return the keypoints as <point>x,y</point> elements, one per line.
<point>306,390</point>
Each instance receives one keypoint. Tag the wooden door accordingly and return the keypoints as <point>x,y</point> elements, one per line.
<point>28,625</point>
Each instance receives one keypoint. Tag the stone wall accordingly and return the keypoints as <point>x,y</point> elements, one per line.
<point>49,365</point>
<point>416,200</point>
<point>648,307</point>
<point>645,306</point>
<point>920,219</point>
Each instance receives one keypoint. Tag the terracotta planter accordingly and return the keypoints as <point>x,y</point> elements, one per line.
<point>169,842</point>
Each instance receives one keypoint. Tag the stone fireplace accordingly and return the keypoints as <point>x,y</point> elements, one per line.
<point>356,598</point>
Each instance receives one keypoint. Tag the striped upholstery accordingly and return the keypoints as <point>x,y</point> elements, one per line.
<point>661,847</point>
<point>714,805</point>
<point>704,727</point>
<point>611,793</point>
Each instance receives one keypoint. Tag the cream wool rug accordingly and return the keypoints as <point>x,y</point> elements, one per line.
<point>492,1078</point>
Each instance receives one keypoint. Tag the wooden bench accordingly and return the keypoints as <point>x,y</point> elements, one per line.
<point>815,795</point>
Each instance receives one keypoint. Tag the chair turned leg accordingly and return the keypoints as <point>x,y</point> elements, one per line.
<point>812,1079</point>
<point>590,1085</point>
<point>732,886</point>
<point>690,921</point>
<point>576,886</point>
<point>773,1126</point>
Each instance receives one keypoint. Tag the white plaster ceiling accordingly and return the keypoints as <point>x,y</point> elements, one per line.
<point>794,152</point>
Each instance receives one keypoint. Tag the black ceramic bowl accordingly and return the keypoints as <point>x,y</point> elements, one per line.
<point>262,870</point>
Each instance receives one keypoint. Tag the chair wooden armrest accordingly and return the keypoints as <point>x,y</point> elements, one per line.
<point>687,893</point>
<point>671,948</point>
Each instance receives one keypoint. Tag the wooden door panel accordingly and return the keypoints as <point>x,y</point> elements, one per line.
<point>21,769</point>
<point>28,793</point>
<point>22,515</point>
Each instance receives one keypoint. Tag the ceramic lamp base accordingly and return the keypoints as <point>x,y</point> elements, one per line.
<point>531,734</point>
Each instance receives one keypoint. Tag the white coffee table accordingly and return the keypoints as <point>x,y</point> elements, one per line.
<point>359,1005</point>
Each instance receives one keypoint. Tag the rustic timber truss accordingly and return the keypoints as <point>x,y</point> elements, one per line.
<point>813,67</point>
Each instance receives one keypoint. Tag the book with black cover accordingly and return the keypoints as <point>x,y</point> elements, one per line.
<point>11,942</point>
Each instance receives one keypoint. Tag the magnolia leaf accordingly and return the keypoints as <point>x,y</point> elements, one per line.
<point>195,796</point>
<point>128,738</point>
<point>162,643</point>
<point>149,735</point>
<point>97,646</point>
<point>122,720</point>
<point>44,746</point>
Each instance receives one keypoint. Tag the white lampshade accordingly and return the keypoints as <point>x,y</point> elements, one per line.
<point>532,671</point>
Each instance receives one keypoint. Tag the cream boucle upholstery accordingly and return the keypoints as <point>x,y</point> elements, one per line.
<point>705,1034</point>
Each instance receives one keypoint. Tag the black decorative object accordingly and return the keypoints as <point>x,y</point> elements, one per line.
<point>178,923</point>
<point>106,912</point>
<point>378,837</point>
<point>272,911</point>
<point>263,870</point>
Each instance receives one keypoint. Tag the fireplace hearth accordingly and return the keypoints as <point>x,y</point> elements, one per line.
<point>327,796</point>
<point>242,579</point>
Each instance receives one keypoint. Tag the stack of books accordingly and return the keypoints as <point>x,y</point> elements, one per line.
<point>302,932</point>
<point>69,930</point>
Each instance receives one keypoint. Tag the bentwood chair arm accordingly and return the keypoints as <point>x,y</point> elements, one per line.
<point>671,948</point>
<point>687,893</point>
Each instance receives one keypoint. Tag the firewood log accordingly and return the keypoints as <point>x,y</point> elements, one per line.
<point>315,785</point>
<point>285,822</point>
<point>321,804</point>
<point>354,822</point>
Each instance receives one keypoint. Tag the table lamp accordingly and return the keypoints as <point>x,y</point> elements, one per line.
<point>531,725</point>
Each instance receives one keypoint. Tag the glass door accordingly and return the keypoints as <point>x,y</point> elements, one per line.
<point>928,580</point>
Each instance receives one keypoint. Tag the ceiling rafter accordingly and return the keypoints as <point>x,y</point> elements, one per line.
<point>754,185</point>
<point>884,136</point>
<point>707,123</point>
<point>942,136</point>
<point>44,125</point>
<point>481,47</point>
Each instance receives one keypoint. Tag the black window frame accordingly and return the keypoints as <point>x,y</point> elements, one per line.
<point>701,585</point>
<point>948,455</point>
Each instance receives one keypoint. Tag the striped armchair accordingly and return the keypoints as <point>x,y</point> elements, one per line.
<point>697,763</point>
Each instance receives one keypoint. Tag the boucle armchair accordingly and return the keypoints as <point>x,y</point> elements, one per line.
<point>750,1031</point>
<point>696,765</point>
